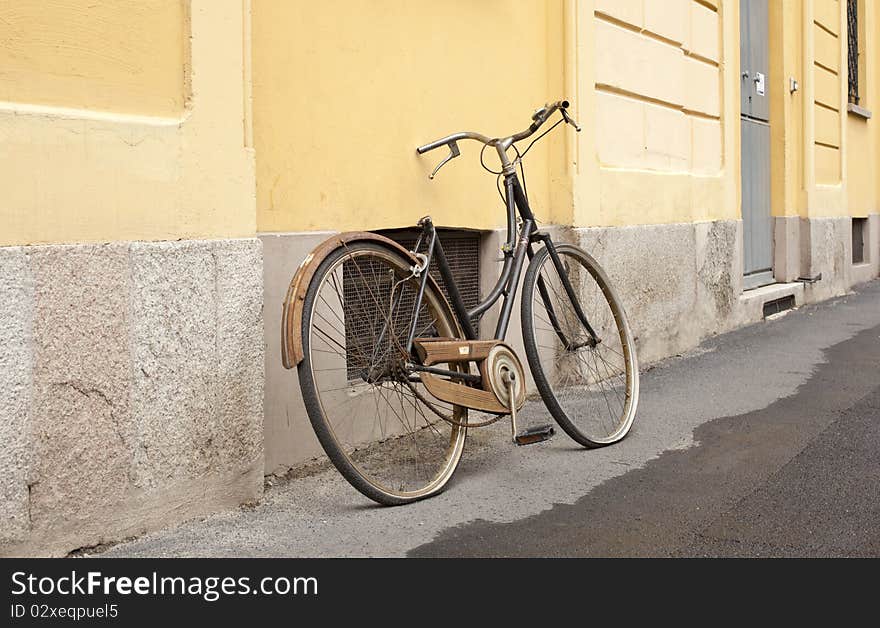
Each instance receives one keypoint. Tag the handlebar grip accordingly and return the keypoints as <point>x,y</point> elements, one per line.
<point>541,115</point>
<point>421,150</point>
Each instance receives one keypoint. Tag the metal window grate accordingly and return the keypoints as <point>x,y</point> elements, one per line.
<point>363,323</point>
<point>367,296</point>
<point>462,250</point>
<point>778,305</point>
<point>852,32</point>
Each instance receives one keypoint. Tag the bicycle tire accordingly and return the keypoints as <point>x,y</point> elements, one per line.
<point>369,465</point>
<point>577,391</point>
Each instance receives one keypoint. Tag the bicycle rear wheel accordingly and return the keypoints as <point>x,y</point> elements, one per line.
<point>590,388</point>
<point>370,417</point>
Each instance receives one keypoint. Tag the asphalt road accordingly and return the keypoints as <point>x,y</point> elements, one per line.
<point>762,442</point>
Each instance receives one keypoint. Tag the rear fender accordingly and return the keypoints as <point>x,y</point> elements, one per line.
<point>291,317</point>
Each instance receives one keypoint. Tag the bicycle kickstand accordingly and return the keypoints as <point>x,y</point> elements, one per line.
<point>531,435</point>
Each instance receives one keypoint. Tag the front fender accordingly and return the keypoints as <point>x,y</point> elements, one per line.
<point>291,316</point>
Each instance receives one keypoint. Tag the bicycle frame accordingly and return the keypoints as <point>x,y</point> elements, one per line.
<point>516,249</point>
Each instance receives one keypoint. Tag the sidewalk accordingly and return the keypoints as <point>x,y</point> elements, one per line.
<point>734,374</point>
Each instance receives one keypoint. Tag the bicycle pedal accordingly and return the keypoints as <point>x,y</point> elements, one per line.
<point>537,434</point>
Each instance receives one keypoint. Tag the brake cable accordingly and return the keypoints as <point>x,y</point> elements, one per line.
<point>519,160</point>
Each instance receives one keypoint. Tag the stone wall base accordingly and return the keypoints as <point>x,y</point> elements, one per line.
<point>131,388</point>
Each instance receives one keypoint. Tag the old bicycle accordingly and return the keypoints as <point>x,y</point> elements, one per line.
<point>390,369</point>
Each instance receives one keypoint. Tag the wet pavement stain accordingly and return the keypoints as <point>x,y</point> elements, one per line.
<point>800,477</point>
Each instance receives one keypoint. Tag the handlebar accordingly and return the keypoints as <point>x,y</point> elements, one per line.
<point>466,135</point>
<point>501,144</point>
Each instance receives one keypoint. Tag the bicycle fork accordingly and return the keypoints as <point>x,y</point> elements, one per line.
<point>570,293</point>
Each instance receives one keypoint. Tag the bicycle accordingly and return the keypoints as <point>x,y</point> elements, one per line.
<point>389,368</point>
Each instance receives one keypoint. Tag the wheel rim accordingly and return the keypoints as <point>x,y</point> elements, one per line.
<point>385,434</point>
<point>592,386</point>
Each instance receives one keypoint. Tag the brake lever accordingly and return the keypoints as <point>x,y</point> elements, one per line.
<point>539,113</point>
<point>569,120</point>
<point>453,153</point>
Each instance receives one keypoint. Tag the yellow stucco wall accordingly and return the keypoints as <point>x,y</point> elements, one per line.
<point>786,45</point>
<point>344,90</point>
<point>81,170</point>
<point>122,55</point>
<point>651,80</point>
<point>104,137</point>
<point>824,160</point>
<point>824,101</point>
<point>826,75</point>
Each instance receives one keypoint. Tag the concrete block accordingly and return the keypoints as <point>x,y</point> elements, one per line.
<point>679,282</point>
<point>197,336</point>
<point>132,386</point>
<point>653,270</point>
<point>289,438</point>
<point>826,245</point>
<point>717,283</point>
<point>81,421</point>
<point>16,364</point>
<point>750,305</point>
<point>238,433</point>
<point>786,248</point>
<point>738,261</point>
<point>175,342</point>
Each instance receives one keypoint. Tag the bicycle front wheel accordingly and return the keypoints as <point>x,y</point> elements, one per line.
<point>378,425</point>
<point>589,382</point>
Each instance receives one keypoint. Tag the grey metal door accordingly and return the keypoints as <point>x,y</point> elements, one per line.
<point>755,134</point>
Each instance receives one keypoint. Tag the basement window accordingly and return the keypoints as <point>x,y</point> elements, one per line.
<point>462,250</point>
<point>859,231</point>
<point>778,305</point>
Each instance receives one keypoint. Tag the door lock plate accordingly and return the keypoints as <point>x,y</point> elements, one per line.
<point>760,86</point>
